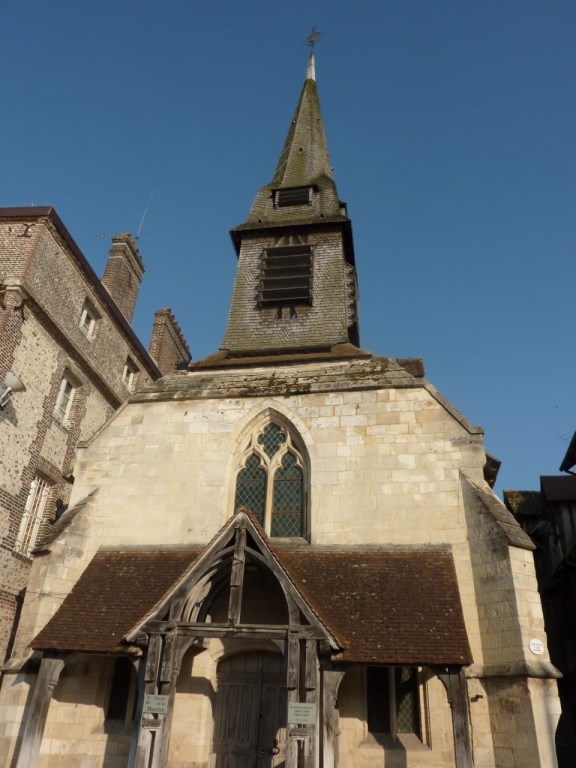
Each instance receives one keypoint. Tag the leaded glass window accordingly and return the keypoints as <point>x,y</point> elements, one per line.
<point>270,482</point>
<point>251,488</point>
<point>271,438</point>
<point>392,700</point>
<point>288,502</point>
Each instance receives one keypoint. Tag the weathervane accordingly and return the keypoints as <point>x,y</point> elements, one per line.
<point>312,39</point>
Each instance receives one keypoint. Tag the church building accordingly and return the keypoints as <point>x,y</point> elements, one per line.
<point>287,555</point>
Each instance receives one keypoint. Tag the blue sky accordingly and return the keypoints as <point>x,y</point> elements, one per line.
<point>451,129</point>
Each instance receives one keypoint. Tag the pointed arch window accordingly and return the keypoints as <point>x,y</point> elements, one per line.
<point>270,482</point>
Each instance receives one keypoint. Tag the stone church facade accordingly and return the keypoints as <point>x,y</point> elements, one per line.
<point>288,554</point>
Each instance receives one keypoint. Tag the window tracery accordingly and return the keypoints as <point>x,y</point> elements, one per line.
<point>270,482</point>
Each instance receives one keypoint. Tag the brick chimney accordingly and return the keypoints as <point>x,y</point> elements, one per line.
<point>123,274</point>
<point>168,346</point>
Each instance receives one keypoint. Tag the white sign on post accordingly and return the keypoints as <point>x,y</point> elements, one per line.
<point>300,713</point>
<point>155,704</point>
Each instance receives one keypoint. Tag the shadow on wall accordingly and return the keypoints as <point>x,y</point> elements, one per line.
<point>352,707</point>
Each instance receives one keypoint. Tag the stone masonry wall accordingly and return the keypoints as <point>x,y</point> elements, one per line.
<point>384,468</point>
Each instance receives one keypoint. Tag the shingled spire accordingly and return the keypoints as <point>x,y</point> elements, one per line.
<point>295,288</point>
<point>304,158</point>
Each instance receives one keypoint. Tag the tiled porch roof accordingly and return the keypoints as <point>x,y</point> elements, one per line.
<point>385,607</point>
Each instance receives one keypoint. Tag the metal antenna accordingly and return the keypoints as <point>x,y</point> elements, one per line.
<point>312,39</point>
<point>146,211</point>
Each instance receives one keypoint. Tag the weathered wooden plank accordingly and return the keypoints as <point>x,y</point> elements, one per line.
<point>293,611</point>
<point>237,577</point>
<point>330,679</point>
<point>246,631</point>
<point>153,658</point>
<point>455,684</point>
<point>223,630</point>
<point>311,673</point>
<point>162,738</point>
<point>167,662</point>
<point>460,719</point>
<point>293,664</point>
<point>137,757</point>
<point>311,693</point>
<point>46,681</point>
<point>292,744</point>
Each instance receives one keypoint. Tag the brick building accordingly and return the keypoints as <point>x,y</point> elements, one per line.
<point>549,517</point>
<point>67,335</point>
<point>288,554</point>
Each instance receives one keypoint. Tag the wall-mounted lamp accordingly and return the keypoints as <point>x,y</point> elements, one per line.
<point>11,384</point>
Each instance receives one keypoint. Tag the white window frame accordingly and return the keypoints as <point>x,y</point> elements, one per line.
<point>64,401</point>
<point>88,320</point>
<point>33,516</point>
<point>129,374</point>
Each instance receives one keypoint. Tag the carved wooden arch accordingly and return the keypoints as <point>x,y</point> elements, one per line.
<point>223,568</point>
<point>224,559</point>
<point>196,605</point>
<point>177,625</point>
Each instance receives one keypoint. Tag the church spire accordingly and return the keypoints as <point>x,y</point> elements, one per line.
<point>295,287</point>
<point>305,159</point>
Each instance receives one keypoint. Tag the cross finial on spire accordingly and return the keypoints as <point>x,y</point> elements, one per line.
<point>312,39</point>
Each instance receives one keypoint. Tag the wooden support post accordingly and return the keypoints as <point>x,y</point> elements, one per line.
<point>145,725</point>
<point>331,679</point>
<point>455,684</point>
<point>174,648</point>
<point>158,675</point>
<point>292,680</point>
<point>237,577</point>
<point>311,693</point>
<point>46,681</point>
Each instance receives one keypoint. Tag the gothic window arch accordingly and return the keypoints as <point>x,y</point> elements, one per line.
<point>271,481</point>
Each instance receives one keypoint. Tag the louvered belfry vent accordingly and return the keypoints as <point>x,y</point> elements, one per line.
<point>293,196</point>
<point>286,276</point>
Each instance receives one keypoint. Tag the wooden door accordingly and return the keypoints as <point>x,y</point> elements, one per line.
<point>250,713</point>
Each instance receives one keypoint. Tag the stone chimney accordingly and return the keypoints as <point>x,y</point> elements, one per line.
<point>123,274</point>
<point>168,346</point>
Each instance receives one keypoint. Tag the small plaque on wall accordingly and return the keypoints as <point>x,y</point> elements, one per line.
<point>536,646</point>
<point>300,713</point>
<point>155,704</point>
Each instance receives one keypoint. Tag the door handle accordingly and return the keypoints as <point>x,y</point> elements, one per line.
<point>274,749</point>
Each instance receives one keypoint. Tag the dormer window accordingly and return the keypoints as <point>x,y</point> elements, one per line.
<point>284,198</point>
<point>286,278</point>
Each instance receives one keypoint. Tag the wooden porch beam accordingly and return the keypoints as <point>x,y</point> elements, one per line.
<point>330,678</point>
<point>249,631</point>
<point>237,577</point>
<point>453,680</point>
<point>46,681</point>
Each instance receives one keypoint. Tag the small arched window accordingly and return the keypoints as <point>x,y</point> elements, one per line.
<point>270,483</point>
